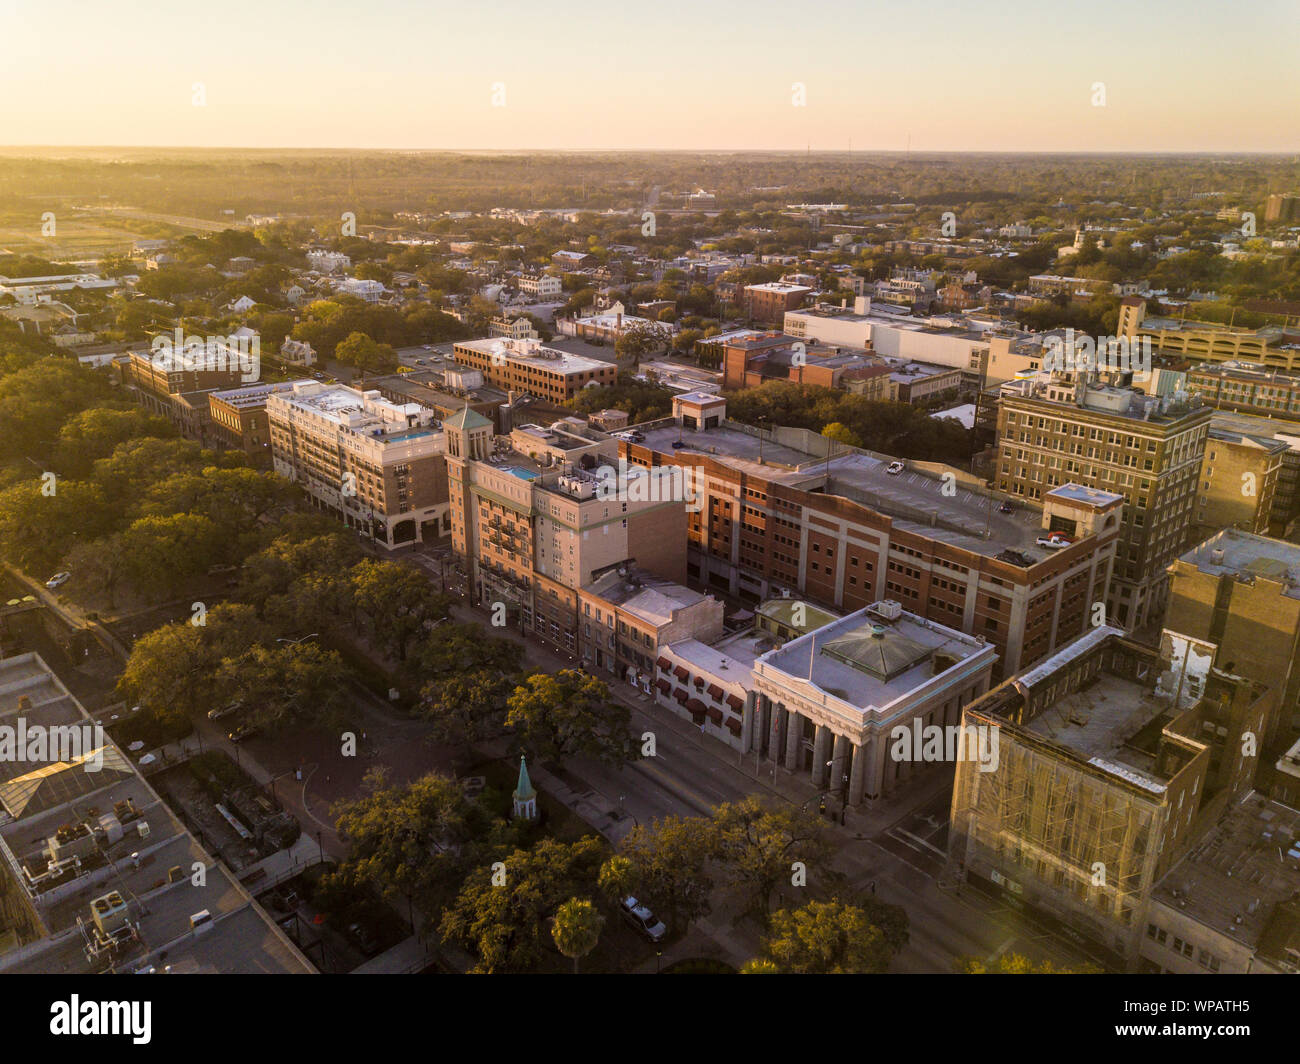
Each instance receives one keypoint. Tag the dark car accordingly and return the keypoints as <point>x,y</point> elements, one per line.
<point>244,731</point>
<point>1005,508</point>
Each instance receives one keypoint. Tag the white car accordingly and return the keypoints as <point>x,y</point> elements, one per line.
<point>1054,541</point>
<point>58,580</point>
<point>894,468</point>
<point>640,917</point>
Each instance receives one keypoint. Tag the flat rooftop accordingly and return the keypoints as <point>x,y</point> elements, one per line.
<point>730,659</point>
<point>534,353</point>
<point>866,660</point>
<point>42,797</point>
<point>912,499</point>
<point>1245,556</point>
<point>1241,870</point>
<point>643,595</point>
<point>254,394</point>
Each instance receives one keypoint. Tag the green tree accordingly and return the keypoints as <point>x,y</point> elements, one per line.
<point>411,841</point>
<point>841,434</point>
<point>670,866</point>
<point>826,938</point>
<point>569,714</point>
<point>758,843</point>
<point>500,913</point>
<point>397,602</point>
<point>366,355</point>
<point>1019,964</point>
<point>576,929</point>
<point>289,684</point>
<point>170,670</point>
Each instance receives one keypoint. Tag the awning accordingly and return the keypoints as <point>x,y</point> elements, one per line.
<point>696,707</point>
<point>715,692</point>
<point>664,664</point>
<point>681,672</point>
<point>733,723</point>
<point>736,702</point>
<point>699,683</point>
<point>715,714</point>
<point>664,685</point>
<point>681,694</point>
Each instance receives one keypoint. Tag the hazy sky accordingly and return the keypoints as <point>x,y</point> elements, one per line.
<point>983,75</point>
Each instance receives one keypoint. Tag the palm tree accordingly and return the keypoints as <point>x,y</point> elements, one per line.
<point>576,929</point>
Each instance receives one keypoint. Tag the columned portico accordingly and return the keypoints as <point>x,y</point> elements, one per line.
<point>858,773</point>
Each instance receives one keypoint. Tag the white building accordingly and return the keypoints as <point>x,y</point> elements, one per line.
<point>328,261</point>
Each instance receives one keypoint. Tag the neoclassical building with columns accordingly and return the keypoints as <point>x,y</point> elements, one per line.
<point>826,703</point>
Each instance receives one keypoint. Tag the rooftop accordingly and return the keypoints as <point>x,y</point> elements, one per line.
<point>533,353</point>
<point>913,499</point>
<point>869,659</point>
<point>130,839</point>
<point>1240,873</point>
<point>1246,557</point>
<point>642,594</point>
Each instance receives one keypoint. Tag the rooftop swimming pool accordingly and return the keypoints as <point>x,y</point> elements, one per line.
<point>522,474</point>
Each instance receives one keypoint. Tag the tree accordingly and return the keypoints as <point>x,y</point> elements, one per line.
<point>759,841</point>
<point>411,841</point>
<point>669,865</point>
<point>366,355</point>
<point>826,938</point>
<point>94,433</point>
<point>467,707</point>
<point>576,929</point>
<point>759,966</point>
<point>616,878</point>
<point>397,602</point>
<point>289,684</point>
<point>568,714</point>
<point>641,341</point>
<point>502,921</point>
<point>168,553</point>
<point>841,434</point>
<point>1019,964</point>
<point>170,670</point>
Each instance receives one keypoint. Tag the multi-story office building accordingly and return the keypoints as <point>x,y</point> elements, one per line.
<point>531,536</point>
<point>239,419</point>
<point>1113,759</point>
<point>376,464</point>
<point>529,366</point>
<point>179,392</point>
<point>768,302</point>
<point>1059,428</point>
<point>790,512</point>
<point>1242,592</point>
<point>828,703</point>
<point>1237,485</point>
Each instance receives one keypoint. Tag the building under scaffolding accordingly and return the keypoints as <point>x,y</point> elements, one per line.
<point>1112,758</point>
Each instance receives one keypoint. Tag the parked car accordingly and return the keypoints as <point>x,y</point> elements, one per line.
<point>217,712</point>
<point>243,731</point>
<point>894,468</point>
<point>58,580</point>
<point>1005,508</point>
<point>1054,540</point>
<point>640,917</point>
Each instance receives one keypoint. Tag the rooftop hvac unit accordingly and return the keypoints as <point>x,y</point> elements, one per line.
<point>889,609</point>
<point>109,912</point>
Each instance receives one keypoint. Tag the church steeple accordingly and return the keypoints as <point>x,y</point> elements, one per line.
<point>525,796</point>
